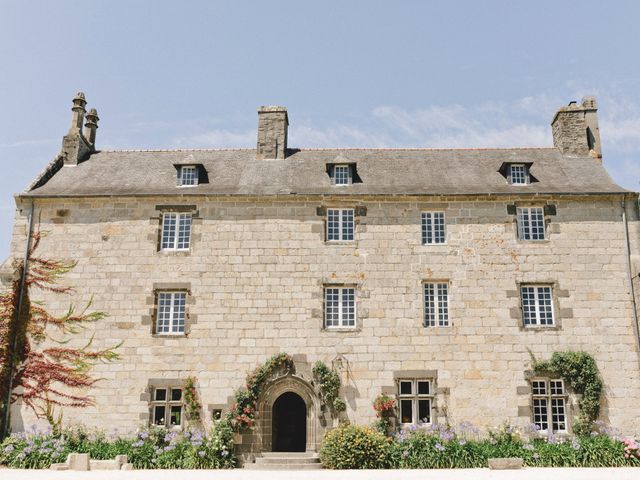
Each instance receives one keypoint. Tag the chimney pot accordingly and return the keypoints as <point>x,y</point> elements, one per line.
<point>273,124</point>
<point>77,117</point>
<point>91,126</point>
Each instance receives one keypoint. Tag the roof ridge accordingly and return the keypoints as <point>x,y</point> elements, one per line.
<point>133,150</point>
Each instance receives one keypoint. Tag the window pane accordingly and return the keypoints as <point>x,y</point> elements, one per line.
<point>518,174</point>
<point>406,411</point>
<point>188,176</point>
<point>438,227</point>
<point>429,305</point>
<point>348,307</point>
<point>528,299</point>
<point>331,307</point>
<point>539,387</point>
<point>433,227</point>
<point>159,414</point>
<point>342,174</point>
<point>557,388</point>
<point>347,225</point>
<point>443,304</point>
<point>558,414</point>
<point>423,387</point>
<point>164,313</point>
<point>168,230</point>
<point>333,224</point>
<point>161,394</point>
<point>424,410</point>
<point>540,415</point>
<point>176,415</point>
<point>179,306</point>
<point>406,388</point>
<point>184,231</point>
<point>531,223</point>
<point>176,394</point>
<point>545,308</point>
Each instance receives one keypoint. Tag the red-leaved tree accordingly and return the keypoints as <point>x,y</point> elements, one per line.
<point>44,375</point>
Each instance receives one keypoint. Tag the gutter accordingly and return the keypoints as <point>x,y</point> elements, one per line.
<point>23,280</point>
<point>630,271</point>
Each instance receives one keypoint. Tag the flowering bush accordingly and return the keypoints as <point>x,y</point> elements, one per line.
<point>354,447</point>
<point>150,448</point>
<point>384,405</point>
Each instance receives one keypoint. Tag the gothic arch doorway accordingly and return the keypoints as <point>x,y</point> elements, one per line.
<point>289,428</point>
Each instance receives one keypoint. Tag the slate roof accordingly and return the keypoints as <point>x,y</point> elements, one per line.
<point>383,172</point>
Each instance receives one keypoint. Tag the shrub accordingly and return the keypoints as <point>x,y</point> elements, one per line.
<point>150,448</point>
<point>354,447</point>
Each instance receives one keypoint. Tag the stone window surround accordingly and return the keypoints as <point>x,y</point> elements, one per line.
<point>358,212</point>
<point>423,229</point>
<point>361,313</point>
<point>548,397</point>
<point>415,397</point>
<point>152,301</point>
<point>560,314</point>
<point>357,323</point>
<point>147,395</point>
<point>525,391</point>
<point>549,210</point>
<point>440,394</point>
<point>157,221</point>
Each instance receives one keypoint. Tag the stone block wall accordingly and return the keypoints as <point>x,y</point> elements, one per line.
<point>255,276</point>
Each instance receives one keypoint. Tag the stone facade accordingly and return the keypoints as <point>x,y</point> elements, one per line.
<point>255,274</point>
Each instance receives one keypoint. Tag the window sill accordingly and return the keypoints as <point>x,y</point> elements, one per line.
<point>537,328</point>
<point>179,253</point>
<point>443,244</point>
<point>341,329</point>
<point>524,242</point>
<point>169,335</point>
<point>187,186</point>
<point>345,243</point>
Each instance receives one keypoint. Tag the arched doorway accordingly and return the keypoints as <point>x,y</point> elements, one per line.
<point>289,428</point>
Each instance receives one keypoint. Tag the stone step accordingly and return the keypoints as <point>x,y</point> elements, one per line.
<point>289,454</point>
<point>283,459</point>
<point>283,466</point>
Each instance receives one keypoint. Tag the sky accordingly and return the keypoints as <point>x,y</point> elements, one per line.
<point>191,74</point>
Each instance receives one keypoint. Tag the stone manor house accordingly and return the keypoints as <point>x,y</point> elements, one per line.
<point>431,275</point>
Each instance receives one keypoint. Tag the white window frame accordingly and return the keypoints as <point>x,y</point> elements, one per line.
<point>337,220</point>
<point>415,398</point>
<point>434,229</point>
<point>339,312</point>
<point>174,319</point>
<point>549,405</point>
<point>522,175</point>
<point>168,404</point>
<point>346,177</point>
<point>436,305</point>
<point>193,176</point>
<point>530,220</point>
<point>535,305</point>
<point>173,237</point>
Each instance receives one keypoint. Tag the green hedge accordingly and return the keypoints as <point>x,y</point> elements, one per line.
<point>355,447</point>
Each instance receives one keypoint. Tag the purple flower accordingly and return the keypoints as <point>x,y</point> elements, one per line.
<point>462,441</point>
<point>139,443</point>
<point>9,449</point>
<point>439,447</point>
<point>168,448</point>
<point>446,436</point>
<point>201,453</point>
<point>536,456</point>
<point>405,454</point>
<point>528,446</point>
<point>224,453</point>
<point>575,444</point>
<point>144,434</point>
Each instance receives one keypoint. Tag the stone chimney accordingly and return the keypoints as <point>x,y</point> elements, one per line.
<point>273,124</point>
<point>575,129</point>
<point>91,126</point>
<point>75,146</point>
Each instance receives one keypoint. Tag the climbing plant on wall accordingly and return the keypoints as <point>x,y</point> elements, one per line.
<point>329,384</point>
<point>580,372</point>
<point>57,374</point>
<point>193,407</point>
<point>243,412</point>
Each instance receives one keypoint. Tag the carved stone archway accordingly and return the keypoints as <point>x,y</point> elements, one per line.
<point>281,385</point>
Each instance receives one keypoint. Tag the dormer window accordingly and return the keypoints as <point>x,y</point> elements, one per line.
<point>342,174</point>
<point>188,176</point>
<point>518,174</point>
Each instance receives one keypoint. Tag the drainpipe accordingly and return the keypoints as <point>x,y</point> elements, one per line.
<point>23,279</point>
<point>628,245</point>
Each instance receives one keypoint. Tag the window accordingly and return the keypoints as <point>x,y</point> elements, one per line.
<point>530,223</point>
<point>342,175</point>
<point>339,307</point>
<point>171,313</point>
<point>176,231</point>
<point>549,405</point>
<point>436,305</point>
<point>340,224</point>
<point>519,174</point>
<point>433,228</point>
<point>166,406</point>
<point>537,305</point>
<point>188,176</point>
<point>415,398</point>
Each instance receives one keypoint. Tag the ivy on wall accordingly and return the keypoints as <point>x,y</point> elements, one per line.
<point>580,372</point>
<point>329,384</point>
